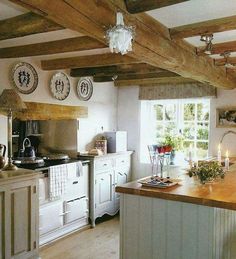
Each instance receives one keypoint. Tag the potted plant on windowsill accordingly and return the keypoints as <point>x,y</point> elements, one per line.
<point>172,144</point>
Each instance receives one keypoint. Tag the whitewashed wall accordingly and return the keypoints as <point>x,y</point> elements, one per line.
<point>102,107</point>
<point>129,119</point>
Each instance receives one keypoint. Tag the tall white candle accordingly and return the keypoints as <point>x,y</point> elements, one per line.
<point>219,154</point>
<point>227,160</point>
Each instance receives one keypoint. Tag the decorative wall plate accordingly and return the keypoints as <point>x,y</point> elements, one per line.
<point>24,78</point>
<point>60,86</point>
<point>85,88</point>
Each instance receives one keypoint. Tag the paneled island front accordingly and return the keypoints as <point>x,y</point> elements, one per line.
<point>189,220</point>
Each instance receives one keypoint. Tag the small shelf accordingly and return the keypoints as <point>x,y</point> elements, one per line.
<point>15,136</point>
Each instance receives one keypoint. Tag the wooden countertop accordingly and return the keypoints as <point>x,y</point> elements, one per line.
<point>19,174</point>
<point>220,194</point>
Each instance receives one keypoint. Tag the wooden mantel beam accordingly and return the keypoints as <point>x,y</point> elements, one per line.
<point>152,44</point>
<point>52,47</point>
<point>87,61</point>
<point>206,27</point>
<point>138,6</point>
<point>46,111</point>
<point>26,24</point>
<point>139,68</point>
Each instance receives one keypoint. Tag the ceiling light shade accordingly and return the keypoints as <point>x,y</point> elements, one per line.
<point>208,40</point>
<point>120,37</point>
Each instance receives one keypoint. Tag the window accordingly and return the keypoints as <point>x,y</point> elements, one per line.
<point>188,118</point>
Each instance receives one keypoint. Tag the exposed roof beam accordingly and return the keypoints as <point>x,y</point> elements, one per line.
<point>151,81</point>
<point>109,78</point>
<point>151,43</point>
<point>219,48</point>
<point>221,61</point>
<point>87,61</point>
<point>138,6</point>
<point>139,68</point>
<point>26,24</point>
<point>52,47</point>
<point>205,27</point>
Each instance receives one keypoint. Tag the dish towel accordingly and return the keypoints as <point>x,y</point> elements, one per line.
<point>79,169</point>
<point>57,181</point>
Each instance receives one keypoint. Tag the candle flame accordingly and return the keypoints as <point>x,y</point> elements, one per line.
<point>219,147</point>
<point>227,154</point>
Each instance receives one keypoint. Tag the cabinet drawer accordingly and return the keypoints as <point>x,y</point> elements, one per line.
<point>50,217</point>
<point>76,209</point>
<point>123,161</point>
<point>103,164</point>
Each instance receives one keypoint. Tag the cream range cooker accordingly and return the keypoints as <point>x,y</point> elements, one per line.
<point>63,198</point>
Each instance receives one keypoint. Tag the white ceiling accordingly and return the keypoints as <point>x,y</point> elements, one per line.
<point>175,15</point>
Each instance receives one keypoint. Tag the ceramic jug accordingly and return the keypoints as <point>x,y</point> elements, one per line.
<point>2,155</point>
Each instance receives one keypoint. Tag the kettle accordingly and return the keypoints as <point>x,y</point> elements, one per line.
<point>2,155</point>
<point>28,149</point>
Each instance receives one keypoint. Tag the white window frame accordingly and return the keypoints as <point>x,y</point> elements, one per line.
<point>148,123</point>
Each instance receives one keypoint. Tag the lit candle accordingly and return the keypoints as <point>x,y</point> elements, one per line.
<point>227,160</point>
<point>219,155</point>
<point>190,156</point>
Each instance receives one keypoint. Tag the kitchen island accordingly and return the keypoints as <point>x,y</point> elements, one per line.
<point>186,221</point>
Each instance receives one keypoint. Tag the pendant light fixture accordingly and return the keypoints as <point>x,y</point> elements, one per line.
<point>120,36</point>
<point>208,40</point>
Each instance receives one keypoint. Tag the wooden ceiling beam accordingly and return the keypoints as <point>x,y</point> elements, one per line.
<point>110,78</point>
<point>219,48</point>
<point>205,27</point>
<point>138,6</point>
<point>151,44</point>
<point>52,47</point>
<point>139,68</point>
<point>26,24</point>
<point>108,59</point>
<point>221,61</point>
<point>151,81</point>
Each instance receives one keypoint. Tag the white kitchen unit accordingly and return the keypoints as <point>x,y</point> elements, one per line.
<point>107,172</point>
<point>67,214</point>
<point>18,214</point>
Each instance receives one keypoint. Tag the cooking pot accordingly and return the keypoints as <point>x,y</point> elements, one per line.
<point>2,155</point>
<point>28,149</point>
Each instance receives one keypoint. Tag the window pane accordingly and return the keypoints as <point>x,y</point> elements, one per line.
<point>189,131</point>
<point>159,131</point>
<point>189,111</point>
<point>202,131</point>
<point>170,112</point>
<point>159,111</point>
<point>170,128</point>
<point>203,112</point>
<point>202,150</point>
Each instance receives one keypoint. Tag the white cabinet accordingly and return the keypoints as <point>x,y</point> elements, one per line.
<point>107,171</point>
<point>70,212</point>
<point>19,217</point>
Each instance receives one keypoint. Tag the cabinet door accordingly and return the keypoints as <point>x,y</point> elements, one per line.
<point>104,193</point>
<point>76,209</point>
<point>24,211</point>
<point>121,177</point>
<point>50,217</point>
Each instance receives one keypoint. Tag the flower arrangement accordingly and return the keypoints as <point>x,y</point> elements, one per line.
<point>207,171</point>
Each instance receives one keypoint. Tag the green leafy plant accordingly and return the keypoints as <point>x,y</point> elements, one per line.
<point>207,171</point>
<point>176,142</point>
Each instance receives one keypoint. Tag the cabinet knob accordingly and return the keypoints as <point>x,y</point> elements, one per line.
<point>102,179</point>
